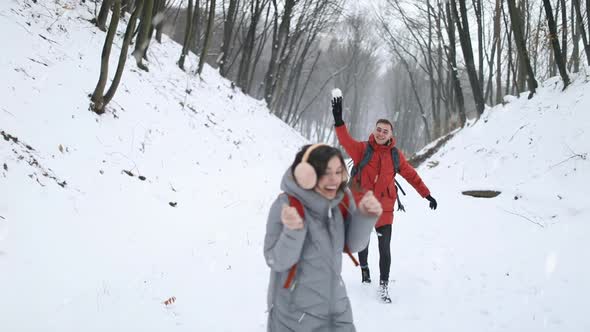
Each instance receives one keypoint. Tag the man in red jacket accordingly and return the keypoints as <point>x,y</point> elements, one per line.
<point>378,176</point>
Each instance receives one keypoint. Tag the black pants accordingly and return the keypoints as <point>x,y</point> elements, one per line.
<point>384,237</point>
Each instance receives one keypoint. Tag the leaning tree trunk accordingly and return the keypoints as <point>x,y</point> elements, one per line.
<point>124,49</point>
<point>187,34</point>
<point>498,36</point>
<point>465,39</point>
<point>564,30</point>
<point>98,94</point>
<point>521,46</point>
<point>228,29</point>
<point>477,6</point>
<point>575,60</point>
<point>161,21</point>
<point>454,72</point>
<point>142,40</point>
<point>246,59</point>
<point>279,46</point>
<point>103,14</point>
<point>582,30</point>
<point>559,58</point>
<point>207,40</point>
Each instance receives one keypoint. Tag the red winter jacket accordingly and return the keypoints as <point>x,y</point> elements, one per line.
<point>378,174</point>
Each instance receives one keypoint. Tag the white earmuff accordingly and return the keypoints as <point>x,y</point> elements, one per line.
<point>305,174</point>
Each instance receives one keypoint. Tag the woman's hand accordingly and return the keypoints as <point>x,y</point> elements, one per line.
<point>291,218</point>
<point>370,205</point>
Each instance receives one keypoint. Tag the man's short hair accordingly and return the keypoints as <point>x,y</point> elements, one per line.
<point>385,121</point>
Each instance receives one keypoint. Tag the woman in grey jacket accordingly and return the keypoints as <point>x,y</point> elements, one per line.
<point>315,300</point>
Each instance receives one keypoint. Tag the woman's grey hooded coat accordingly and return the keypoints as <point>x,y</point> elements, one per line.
<point>316,300</point>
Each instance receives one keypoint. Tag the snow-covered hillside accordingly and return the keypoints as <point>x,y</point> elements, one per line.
<point>88,245</point>
<point>516,262</point>
<point>104,251</point>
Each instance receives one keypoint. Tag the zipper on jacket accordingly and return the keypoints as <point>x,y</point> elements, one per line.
<point>332,284</point>
<point>301,318</point>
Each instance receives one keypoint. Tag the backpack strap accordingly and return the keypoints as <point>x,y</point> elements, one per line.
<point>395,158</point>
<point>396,167</point>
<point>368,154</point>
<point>343,206</point>
<point>294,202</point>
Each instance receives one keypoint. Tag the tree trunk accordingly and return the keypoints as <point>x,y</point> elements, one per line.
<point>498,38</point>
<point>478,20</point>
<point>279,47</point>
<point>228,27</point>
<point>187,34</point>
<point>196,33</point>
<point>416,94</point>
<point>436,129</point>
<point>124,49</point>
<point>103,14</point>
<point>98,94</point>
<point>248,46</point>
<point>261,44</point>
<point>576,4</point>
<point>559,58</point>
<point>465,39</point>
<point>453,62</point>
<point>208,34</point>
<point>161,21</point>
<point>564,30</point>
<point>575,60</point>
<point>125,6</point>
<point>515,19</point>
<point>142,41</point>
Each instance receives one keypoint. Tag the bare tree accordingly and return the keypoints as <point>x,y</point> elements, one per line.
<point>228,30</point>
<point>187,34</point>
<point>142,40</point>
<point>498,39</point>
<point>462,23</point>
<point>98,94</point>
<point>99,99</point>
<point>279,47</point>
<point>452,59</point>
<point>559,58</point>
<point>580,20</point>
<point>103,14</point>
<point>124,49</point>
<point>208,33</point>
<point>256,9</point>
<point>515,19</point>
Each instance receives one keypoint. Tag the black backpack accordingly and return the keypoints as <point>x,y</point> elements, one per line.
<point>356,170</point>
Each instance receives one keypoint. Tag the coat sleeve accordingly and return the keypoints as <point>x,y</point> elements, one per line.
<point>358,229</point>
<point>282,246</point>
<point>409,173</point>
<point>353,148</point>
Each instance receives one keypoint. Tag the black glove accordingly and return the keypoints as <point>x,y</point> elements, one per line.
<point>432,202</point>
<point>337,111</point>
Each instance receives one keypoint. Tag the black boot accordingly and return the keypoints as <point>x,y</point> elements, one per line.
<point>383,292</point>
<point>366,275</point>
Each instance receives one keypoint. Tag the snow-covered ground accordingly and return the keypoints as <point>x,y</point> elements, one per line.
<point>105,249</point>
<point>517,262</point>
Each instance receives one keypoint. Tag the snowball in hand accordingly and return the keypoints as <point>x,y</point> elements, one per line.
<point>336,93</point>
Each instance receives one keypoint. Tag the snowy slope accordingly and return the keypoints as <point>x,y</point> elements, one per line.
<point>517,262</point>
<point>104,251</point>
